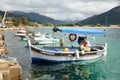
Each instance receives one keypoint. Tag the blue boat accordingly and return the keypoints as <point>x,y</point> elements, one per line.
<point>69,54</point>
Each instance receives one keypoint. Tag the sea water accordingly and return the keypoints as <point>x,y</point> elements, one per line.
<point>106,68</point>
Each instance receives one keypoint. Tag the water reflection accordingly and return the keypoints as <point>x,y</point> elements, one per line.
<point>67,71</point>
<point>60,72</point>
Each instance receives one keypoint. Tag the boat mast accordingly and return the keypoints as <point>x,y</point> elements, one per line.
<point>3,21</point>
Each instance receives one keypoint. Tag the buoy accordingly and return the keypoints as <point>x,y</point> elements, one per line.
<point>81,47</point>
<point>66,49</point>
<point>88,49</point>
<point>72,37</point>
<point>82,52</point>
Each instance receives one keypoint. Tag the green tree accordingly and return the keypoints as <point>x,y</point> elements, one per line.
<point>24,20</point>
<point>16,21</point>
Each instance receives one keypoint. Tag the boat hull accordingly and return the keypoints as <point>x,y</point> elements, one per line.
<point>37,59</point>
<point>40,55</point>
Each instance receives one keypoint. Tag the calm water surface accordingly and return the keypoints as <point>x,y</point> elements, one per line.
<point>102,69</point>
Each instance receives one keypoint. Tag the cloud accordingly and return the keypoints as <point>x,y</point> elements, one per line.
<point>61,9</point>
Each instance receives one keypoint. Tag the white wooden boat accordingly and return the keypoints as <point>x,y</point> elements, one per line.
<point>38,37</point>
<point>45,39</point>
<point>21,34</point>
<point>67,54</point>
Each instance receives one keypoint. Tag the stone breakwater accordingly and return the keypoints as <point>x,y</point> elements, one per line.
<point>9,67</point>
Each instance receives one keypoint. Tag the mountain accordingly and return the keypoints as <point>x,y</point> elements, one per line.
<point>37,17</point>
<point>2,13</point>
<point>111,17</point>
<point>33,17</point>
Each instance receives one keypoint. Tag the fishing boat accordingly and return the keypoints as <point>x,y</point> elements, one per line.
<point>45,39</point>
<point>42,39</point>
<point>60,54</point>
<point>20,33</point>
<point>38,37</point>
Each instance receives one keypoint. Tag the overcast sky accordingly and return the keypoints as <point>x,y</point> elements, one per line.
<point>61,9</point>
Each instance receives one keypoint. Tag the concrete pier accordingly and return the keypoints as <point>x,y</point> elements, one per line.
<point>9,67</point>
<point>10,70</point>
